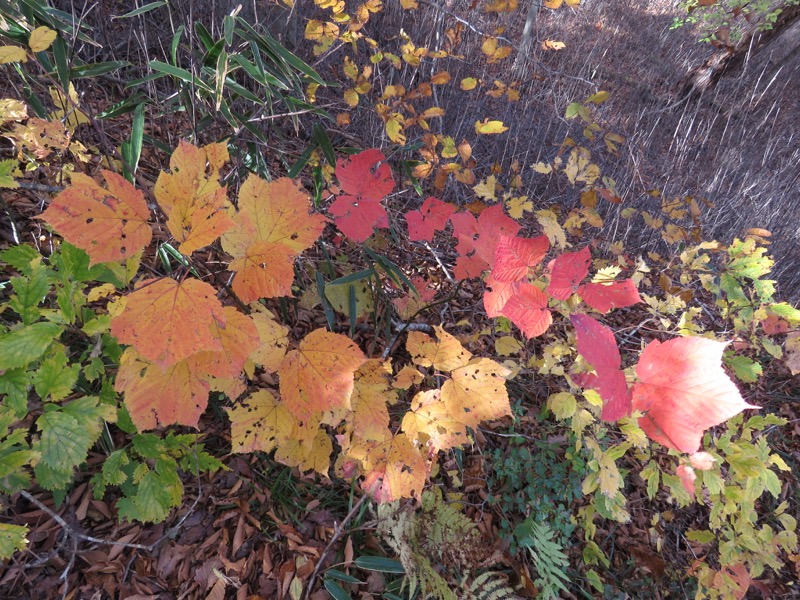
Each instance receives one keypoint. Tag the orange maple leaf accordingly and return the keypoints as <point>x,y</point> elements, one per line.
<point>109,225</point>
<point>319,375</point>
<point>191,196</point>
<point>167,321</point>
<point>271,228</point>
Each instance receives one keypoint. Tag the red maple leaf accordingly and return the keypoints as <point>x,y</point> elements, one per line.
<point>604,296</point>
<point>527,309</point>
<point>358,176</point>
<point>359,210</point>
<point>569,269</point>
<point>515,255</point>
<point>430,218</point>
<point>683,390</point>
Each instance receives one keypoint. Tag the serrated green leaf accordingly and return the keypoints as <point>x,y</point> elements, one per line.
<point>14,386</point>
<point>112,472</point>
<point>30,291</point>
<point>54,379</point>
<point>9,169</point>
<point>12,539</point>
<point>22,346</point>
<point>52,478</point>
<point>746,370</point>
<point>20,257</point>
<point>563,405</point>
<point>150,504</point>
<point>64,441</point>
<point>652,476</point>
<point>91,413</point>
<point>702,536</point>
<point>149,445</point>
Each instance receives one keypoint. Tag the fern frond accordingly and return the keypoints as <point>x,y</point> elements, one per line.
<point>547,554</point>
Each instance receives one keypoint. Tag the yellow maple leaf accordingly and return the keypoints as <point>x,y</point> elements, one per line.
<point>487,127</point>
<point>517,206</point>
<point>487,189</point>
<point>549,222</point>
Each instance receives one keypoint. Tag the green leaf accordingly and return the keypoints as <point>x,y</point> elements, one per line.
<point>9,169</point>
<point>149,445</point>
<point>112,467</point>
<point>341,576</point>
<point>92,414</point>
<point>12,539</point>
<point>182,74</point>
<point>379,563</point>
<point>150,504</point>
<point>64,441</point>
<point>20,257</point>
<point>746,370</point>
<point>20,347</point>
<point>95,69</point>
<point>30,292</point>
<point>54,378</point>
<point>132,147</point>
<point>142,10</point>
<point>652,476</point>
<point>14,386</point>
<point>52,478</point>
<point>336,591</point>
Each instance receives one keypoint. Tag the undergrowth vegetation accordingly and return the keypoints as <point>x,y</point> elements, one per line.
<point>477,392</point>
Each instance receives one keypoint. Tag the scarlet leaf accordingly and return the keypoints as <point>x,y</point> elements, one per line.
<point>493,223</point>
<point>605,296</point>
<point>318,376</point>
<point>191,196</point>
<point>569,269</point>
<point>469,266</point>
<point>527,309</point>
<point>596,342</point>
<point>358,218</point>
<point>430,218</point>
<point>272,227</point>
<point>687,477</point>
<point>108,224</point>
<point>497,294</point>
<point>465,230</point>
<point>683,390</point>
<point>515,255</point>
<point>167,321</point>
<point>358,176</point>
<point>174,395</point>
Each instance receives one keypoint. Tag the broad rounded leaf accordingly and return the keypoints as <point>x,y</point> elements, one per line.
<point>259,423</point>
<point>605,296</point>
<point>357,218</point>
<point>109,225</point>
<point>263,272</point>
<point>497,294</point>
<point>359,177</point>
<point>162,320</point>
<point>477,392</point>
<point>527,309</point>
<point>515,255</point>
<point>319,375</point>
<point>683,390</point>
<point>154,396</point>
<point>430,422</point>
<point>493,223</point>
<point>430,218</point>
<point>569,269</point>
<point>394,469</point>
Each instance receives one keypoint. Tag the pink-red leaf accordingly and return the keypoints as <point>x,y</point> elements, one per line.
<point>430,218</point>
<point>604,296</point>
<point>357,218</point>
<point>497,294</point>
<point>569,269</point>
<point>515,255</point>
<point>492,224</point>
<point>527,309</point>
<point>358,176</point>
<point>683,390</point>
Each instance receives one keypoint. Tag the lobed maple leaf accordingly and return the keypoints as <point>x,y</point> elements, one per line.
<point>393,468</point>
<point>108,224</point>
<point>514,256</point>
<point>271,228</point>
<point>259,423</point>
<point>359,210</point>
<point>598,347</point>
<point>683,390</point>
<point>527,309</point>
<point>319,375</point>
<point>569,269</point>
<point>191,196</point>
<point>372,391</point>
<point>430,218</point>
<point>477,392</point>
<point>431,423</point>
<point>167,321</point>
<point>604,296</point>
<point>444,354</point>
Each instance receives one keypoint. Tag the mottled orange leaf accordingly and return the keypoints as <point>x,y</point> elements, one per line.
<point>191,196</point>
<point>154,396</point>
<point>372,391</point>
<point>319,375</point>
<point>430,422</point>
<point>108,224</point>
<point>273,341</point>
<point>477,392</point>
<point>167,321</point>
<point>238,336</point>
<point>271,228</point>
<point>259,423</point>
<point>444,354</point>
<point>394,469</point>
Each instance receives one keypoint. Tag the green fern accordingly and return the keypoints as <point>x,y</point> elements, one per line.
<point>547,554</point>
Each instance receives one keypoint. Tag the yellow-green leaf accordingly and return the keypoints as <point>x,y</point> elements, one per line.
<point>41,39</point>
<point>488,127</point>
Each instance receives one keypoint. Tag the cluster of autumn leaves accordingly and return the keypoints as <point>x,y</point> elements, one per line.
<point>183,343</point>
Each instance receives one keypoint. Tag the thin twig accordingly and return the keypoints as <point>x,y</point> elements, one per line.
<point>338,531</point>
